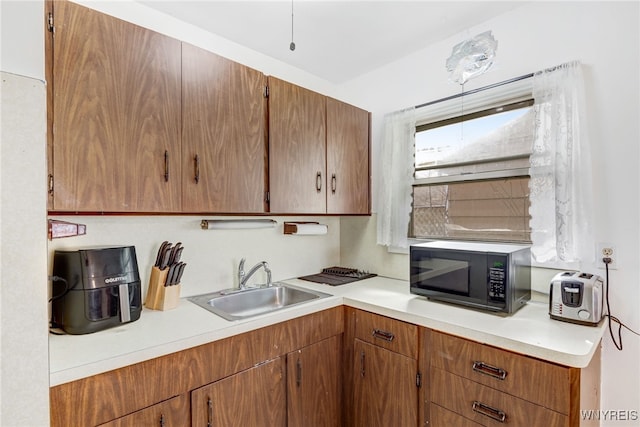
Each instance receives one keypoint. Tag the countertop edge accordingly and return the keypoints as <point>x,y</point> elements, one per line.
<point>529,350</point>
<point>384,296</point>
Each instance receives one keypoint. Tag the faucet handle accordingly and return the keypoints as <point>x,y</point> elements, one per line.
<point>268,271</point>
<point>241,273</point>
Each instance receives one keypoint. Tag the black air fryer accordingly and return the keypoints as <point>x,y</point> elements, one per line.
<point>95,289</point>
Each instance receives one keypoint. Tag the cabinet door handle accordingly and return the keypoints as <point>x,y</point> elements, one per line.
<point>319,181</point>
<point>161,420</point>
<point>298,373</point>
<point>362,363</point>
<point>333,183</point>
<point>489,370</point>
<point>196,168</point>
<point>383,335</point>
<point>50,184</point>
<point>166,166</point>
<point>488,411</point>
<point>209,412</point>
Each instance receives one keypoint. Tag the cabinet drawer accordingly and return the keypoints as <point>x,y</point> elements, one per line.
<point>388,333</point>
<point>441,417</point>
<point>173,412</point>
<point>487,406</point>
<point>540,382</point>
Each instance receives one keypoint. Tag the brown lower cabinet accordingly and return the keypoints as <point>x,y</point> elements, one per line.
<point>337,367</point>
<point>384,371</point>
<point>244,374</point>
<point>473,384</point>
<point>314,385</point>
<point>253,397</point>
<point>385,392</point>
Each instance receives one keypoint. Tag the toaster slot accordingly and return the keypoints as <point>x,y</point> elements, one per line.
<point>572,293</point>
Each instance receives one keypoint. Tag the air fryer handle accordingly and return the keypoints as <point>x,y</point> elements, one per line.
<point>125,307</point>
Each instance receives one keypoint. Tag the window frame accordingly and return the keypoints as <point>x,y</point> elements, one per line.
<point>514,95</point>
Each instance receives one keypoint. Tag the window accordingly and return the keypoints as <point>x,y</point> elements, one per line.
<point>471,174</point>
<point>558,170</point>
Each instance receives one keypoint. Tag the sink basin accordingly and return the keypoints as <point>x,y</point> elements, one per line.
<point>241,304</point>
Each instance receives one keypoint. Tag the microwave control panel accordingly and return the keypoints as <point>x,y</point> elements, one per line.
<point>497,280</point>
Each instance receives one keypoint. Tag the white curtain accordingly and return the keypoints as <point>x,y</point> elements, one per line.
<point>561,182</point>
<point>396,178</point>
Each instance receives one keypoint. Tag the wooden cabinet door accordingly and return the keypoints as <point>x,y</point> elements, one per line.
<point>116,114</point>
<point>385,391</point>
<point>297,149</point>
<point>223,137</point>
<point>174,412</point>
<point>255,397</point>
<point>348,175</point>
<point>313,385</point>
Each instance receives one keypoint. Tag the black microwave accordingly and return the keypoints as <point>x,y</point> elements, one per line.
<point>488,276</point>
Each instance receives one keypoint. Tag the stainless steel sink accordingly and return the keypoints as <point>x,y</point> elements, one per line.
<point>241,304</point>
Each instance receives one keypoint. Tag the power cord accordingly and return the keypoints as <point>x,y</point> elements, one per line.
<point>54,328</point>
<point>621,325</point>
<point>66,287</point>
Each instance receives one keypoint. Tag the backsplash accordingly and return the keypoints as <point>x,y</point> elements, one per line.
<point>212,256</point>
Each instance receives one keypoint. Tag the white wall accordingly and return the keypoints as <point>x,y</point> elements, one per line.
<point>24,361</point>
<point>604,36</point>
<point>212,256</point>
<point>22,35</point>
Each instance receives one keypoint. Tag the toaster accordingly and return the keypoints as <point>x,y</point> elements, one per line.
<point>576,297</point>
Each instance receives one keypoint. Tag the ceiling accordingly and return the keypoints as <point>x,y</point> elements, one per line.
<point>335,40</point>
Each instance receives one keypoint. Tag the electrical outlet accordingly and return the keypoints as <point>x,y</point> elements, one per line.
<point>606,250</point>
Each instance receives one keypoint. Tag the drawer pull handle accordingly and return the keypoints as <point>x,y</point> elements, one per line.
<point>488,411</point>
<point>492,371</point>
<point>383,335</point>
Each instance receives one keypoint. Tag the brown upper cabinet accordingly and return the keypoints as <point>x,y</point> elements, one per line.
<point>348,166</point>
<point>318,153</point>
<point>116,106</point>
<point>297,149</point>
<point>143,123</point>
<point>224,140</point>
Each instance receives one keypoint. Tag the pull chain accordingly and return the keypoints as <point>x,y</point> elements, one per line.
<point>292,45</point>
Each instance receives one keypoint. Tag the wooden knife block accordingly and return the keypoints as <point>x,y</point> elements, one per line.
<point>159,296</point>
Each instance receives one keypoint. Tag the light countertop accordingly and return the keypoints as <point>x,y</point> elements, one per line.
<point>529,331</point>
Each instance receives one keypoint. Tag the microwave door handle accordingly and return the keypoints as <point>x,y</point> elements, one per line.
<point>125,308</point>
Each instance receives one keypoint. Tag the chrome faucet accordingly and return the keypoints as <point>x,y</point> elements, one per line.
<point>244,277</point>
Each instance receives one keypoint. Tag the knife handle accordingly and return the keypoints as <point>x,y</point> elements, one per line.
<point>160,253</point>
<point>170,275</point>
